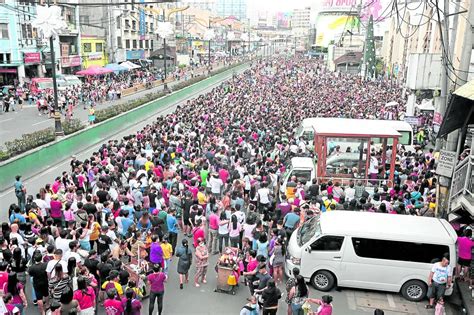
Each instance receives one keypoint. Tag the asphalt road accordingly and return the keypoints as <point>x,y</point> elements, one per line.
<point>204,300</point>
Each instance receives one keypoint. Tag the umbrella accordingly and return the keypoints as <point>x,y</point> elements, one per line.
<point>130,65</point>
<point>115,67</point>
<point>94,70</point>
<point>390,104</point>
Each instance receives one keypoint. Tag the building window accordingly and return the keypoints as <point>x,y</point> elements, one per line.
<point>5,58</point>
<point>127,24</point>
<point>27,31</point>
<point>127,43</point>
<point>134,25</point>
<point>151,44</point>
<point>146,27</point>
<point>84,19</point>
<point>134,43</point>
<point>87,47</point>
<point>3,30</point>
<point>119,22</point>
<point>119,42</point>
<point>99,47</point>
<point>141,43</point>
<point>146,43</point>
<point>151,27</point>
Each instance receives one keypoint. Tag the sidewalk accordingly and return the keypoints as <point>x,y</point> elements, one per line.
<point>27,120</point>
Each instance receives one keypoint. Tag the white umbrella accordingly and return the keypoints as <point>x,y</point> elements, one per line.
<point>391,104</point>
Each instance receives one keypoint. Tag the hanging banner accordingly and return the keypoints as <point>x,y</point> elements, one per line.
<point>142,26</point>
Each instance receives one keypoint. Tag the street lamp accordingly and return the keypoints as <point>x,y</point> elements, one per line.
<point>164,30</point>
<point>209,35</point>
<point>50,21</point>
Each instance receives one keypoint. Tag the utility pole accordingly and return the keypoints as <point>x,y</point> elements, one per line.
<point>209,50</point>
<point>165,57</point>
<point>58,128</point>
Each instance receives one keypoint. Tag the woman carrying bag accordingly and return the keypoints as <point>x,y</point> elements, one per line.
<point>298,295</point>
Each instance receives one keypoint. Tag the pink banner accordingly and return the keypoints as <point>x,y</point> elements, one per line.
<point>32,57</point>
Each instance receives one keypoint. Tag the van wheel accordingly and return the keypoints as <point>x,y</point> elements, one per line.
<point>323,280</point>
<point>414,290</point>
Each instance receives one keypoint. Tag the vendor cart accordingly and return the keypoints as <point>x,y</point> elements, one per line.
<point>138,274</point>
<point>228,271</point>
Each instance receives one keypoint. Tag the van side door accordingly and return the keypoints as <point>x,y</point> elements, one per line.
<point>324,253</point>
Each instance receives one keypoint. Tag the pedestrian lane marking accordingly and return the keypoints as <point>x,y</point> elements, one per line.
<point>391,302</point>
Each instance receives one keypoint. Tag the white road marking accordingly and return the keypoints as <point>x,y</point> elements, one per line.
<point>391,302</point>
<point>5,120</point>
<point>42,122</point>
<point>351,301</point>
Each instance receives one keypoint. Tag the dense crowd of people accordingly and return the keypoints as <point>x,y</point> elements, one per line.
<point>196,183</point>
<point>96,90</point>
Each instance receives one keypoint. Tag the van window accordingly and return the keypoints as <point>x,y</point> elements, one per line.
<point>328,243</point>
<point>308,230</point>
<point>303,176</point>
<point>396,250</point>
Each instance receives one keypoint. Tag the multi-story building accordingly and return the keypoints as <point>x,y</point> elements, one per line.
<point>70,39</point>
<point>301,19</point>
<point>237,8</point>
<point>419,34</point>
<point>93,51</point>
<point>25,54</point>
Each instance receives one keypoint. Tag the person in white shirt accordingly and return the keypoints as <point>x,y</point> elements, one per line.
<point>62,242</point>
<point>73,247</point>
<point>58,255</point>
<point>216,185</point>
<point>263,197</point>
<point>350,192</point>
<point>41,204</point>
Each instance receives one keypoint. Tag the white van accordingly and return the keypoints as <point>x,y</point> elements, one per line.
<point>303,168</point>
<point>306,130</point>
<point>373,251</point>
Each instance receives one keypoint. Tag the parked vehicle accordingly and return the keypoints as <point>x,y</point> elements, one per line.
<point>372,251</point>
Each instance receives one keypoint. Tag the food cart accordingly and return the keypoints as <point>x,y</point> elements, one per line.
<point>228,271</point>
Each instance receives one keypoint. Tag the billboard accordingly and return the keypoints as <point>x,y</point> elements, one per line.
<point>283,20</point>
<point>338,5</point>
<point>330,27</point>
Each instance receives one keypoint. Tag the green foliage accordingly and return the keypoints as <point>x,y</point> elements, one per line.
<point>29,141</point>
<point>72,126</point>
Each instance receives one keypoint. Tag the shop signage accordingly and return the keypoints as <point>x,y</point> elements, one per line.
<point>95,56</point>
<point>70,61</point>
<point>32,57</point>
<point>447,161</point>
<point>135,54</point>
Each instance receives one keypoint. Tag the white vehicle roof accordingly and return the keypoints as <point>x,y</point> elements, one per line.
<point>397,124</point>
<point>388,226</point>
<point>302,162</point>
<point>354,127</point>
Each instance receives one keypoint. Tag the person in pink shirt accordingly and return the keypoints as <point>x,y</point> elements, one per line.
<point>224,174</point>
<point>198,232</point>
<point>56,185</point>
<point>465,244</point>
<point>112,305</point>
<point>85,295</point>
<point>56,210</point>
<point>213,230</point>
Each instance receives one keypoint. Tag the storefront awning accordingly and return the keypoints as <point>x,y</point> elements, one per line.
<point>460,110</point>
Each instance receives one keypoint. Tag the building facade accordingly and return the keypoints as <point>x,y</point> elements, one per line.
<point>237,8</point>
<point>402,40</point>
<point>93,51</point>
<point>20,51</point>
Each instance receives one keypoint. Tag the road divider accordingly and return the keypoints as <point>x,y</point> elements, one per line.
<point>37,160</point>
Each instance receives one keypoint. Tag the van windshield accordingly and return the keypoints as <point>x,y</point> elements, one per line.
<point>309,229</point>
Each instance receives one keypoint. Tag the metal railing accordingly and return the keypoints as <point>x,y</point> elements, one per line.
<point>463,179</point>
<point>366,182</point>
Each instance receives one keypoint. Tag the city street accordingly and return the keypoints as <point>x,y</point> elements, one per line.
<point>31,121</point>
<point>333,165</point>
